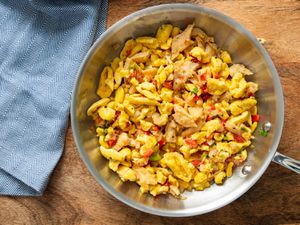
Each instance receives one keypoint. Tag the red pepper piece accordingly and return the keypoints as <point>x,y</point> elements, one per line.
<point>117,115</point>
<point>191,142</point>
<point>238,138</point>
<point>168,84</point>
<point>161,143</point>
<point>196,162</point>
<point>155,128</point>
<point>148,153</point>
<point>112,142</point>
<point>255,118</point>
<point>196,98</point>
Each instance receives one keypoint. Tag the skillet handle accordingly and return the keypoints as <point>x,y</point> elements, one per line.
<point>287,162</point>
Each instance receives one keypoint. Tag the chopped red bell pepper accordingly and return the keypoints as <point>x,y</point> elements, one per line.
<point>210,137</point>
<point>224,122</point>
<point>181,77</point>
<point>147,132</point>
<point>218,75</point>
<point>155,128</point>
<point>255,118</point>
<point>98,121</point>
<point>117,115</point>
<point>134,74</point>
<point>195,60</point>
<point>196,98</point>
<point>205,96</point>
<point>196,162</point>
<point>112,141</point>
<point>167,184</point>
<point>191,142</point>
<point>148,153</point>
<point>155,83</point>
<point>209,117</point>
<point>204,88</point>
<point>212,107</point>
<point>128,52</point>
<point>250,94</point>
<point>203,77</point>
<point>238,138</point>
<point>168,84</point>
<point>161,143</point>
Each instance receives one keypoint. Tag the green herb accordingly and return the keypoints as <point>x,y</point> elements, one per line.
<point>105,131</point>
<point>244,129</point>
<point>106,124</point>
<point>223,156</point>
<point>195,90</point>
<point>263,133</point>
<point>203,156</point>
<point>225,138</point>
<point>155,157</point>
<point>239,151</point>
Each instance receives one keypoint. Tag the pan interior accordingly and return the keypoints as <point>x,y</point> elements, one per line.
<point>229,36</point>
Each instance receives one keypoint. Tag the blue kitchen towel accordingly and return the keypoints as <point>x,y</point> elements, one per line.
<point>42,43</point>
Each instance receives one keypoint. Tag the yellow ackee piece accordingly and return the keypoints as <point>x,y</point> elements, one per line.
<point>102,141</point>
<point>115,63</point>
<point>240,119</point>
<point>167,45</point>
<point>200,178</point>
<point>175,31</point>
<point>113,165</point>
<point>165,108</point>
<point>119,95</point>
<point>216,86</point>
<point>225,56</point>
<point>163,33</point>
<point>229,169</point>
<point>199,136</point>
<point>146,125</point>
<point>149,42</point>
<point>96,105</point>
<point>136,49</point>
<point>198,53</point>
<point>112,154</point>
<point>219,177</point>
<point>106,83</point>
<point>126,51</point>
<point>107,113</point>
<point>211,126</point>
<point>123,120</point>
<point>126,173</point>
<point>141,101</point>
<point>166,94</point>
<point>160,119</point>
<point>179,166</point>
<point>239,106</point>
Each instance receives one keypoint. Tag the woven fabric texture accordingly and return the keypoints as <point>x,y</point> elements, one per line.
<point>42,44</point>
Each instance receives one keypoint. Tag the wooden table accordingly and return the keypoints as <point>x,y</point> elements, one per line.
<point>74,197</point>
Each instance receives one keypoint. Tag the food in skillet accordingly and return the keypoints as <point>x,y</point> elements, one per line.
<point>174,112</point>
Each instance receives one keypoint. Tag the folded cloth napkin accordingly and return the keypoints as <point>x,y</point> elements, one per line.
<point>42,44</point>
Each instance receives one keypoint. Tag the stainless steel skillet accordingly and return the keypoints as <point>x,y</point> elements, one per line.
<point>245,49</point>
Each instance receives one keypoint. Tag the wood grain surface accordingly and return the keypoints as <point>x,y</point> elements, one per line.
<point>74,197</point>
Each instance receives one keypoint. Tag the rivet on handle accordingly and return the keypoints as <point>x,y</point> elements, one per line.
<point>267,126</point>
<point>246,170</point>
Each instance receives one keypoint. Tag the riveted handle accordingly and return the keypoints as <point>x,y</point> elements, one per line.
<point>287,162</point>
